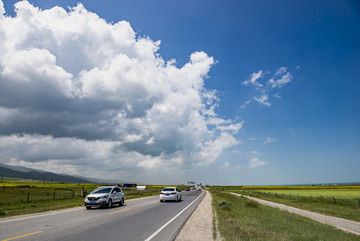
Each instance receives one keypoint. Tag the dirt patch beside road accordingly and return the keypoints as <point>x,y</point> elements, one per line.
<point>200,224</point>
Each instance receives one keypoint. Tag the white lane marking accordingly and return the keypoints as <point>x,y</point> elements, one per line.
<point>166,224</point>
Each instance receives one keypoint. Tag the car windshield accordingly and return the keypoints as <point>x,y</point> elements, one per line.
<point>168,189</point>
<point>102,190</point>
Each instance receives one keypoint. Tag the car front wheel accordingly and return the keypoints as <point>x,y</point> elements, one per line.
<point>122,202</point>
<point>110,203</point>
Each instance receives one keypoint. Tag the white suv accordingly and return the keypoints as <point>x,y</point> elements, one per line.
<point>170,193</point>
<point>104,196</point>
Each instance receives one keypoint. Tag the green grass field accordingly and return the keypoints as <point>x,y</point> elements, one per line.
<point>337,193</point>
<point>337,200</point>
<point>242,219</point>
<point>19,197</point>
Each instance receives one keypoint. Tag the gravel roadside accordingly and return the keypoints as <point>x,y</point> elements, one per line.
<point>200,224</point>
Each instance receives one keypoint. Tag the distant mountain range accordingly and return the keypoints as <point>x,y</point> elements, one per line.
<point>28,173</point>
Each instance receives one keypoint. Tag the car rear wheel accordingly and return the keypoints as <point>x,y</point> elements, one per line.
<point>110,203</point>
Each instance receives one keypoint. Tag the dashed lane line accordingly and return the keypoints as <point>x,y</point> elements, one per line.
<point>25,235</point>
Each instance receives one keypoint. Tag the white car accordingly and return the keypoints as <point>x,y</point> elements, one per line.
<point>104,196</point>
<point>170,193</point>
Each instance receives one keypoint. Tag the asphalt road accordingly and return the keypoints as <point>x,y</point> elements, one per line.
<point>139,219</point>
<point>343,224</point>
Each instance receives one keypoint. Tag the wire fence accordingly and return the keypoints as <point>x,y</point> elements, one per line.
<point>19,194</point>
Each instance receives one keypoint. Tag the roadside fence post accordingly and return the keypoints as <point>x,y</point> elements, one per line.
<point>54,196</point>
<point>28,197</point>
<point>334,199</point>
<point>359,201</point>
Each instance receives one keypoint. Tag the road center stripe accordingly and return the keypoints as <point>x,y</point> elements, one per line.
<point>22,236</point>
<point>166,224</point>
<point>119,211</point>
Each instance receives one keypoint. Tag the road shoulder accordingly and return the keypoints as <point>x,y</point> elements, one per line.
<point>200,224</point>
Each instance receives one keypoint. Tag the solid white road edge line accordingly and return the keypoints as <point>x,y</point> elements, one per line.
<point>166,224</point>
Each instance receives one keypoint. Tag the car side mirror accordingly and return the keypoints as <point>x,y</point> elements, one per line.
<point>114,192</point>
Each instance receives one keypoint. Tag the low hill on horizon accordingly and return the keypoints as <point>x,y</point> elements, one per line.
<point>28,173</point>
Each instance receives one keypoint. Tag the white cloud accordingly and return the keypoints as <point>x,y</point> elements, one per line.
<point>243,106</point>
<point>277,81</point>
<point>269,140</point>
<point>211,150</point>
<point>263,100</point>
<point>71,81</point>
<point>256,162</point>
<point>234,128</point>
<point>286,78</point>
<point>2,10</point>
<point>281,71</point>
<point>254,78</point>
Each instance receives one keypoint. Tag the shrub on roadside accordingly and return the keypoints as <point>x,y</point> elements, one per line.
<point>225,205</point>
<point>251,204</point>
<point>2,212</point>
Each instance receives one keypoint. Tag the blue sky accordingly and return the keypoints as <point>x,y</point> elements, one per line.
<point>283,78</point>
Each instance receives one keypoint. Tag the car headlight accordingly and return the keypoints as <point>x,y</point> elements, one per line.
<point>106,196</point>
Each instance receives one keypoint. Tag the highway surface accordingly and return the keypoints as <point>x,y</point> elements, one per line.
<point>139,219</point>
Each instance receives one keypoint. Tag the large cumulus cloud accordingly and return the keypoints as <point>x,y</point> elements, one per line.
<point>79,94</point>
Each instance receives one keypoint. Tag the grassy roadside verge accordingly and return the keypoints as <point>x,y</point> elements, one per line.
<point>20,198</point>
<point>350,212</point>
<point>243,219</point>
<point>8,210</point>
<point>23,208</point>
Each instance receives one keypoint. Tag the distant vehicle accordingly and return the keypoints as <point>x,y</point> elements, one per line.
<point>187,189</point>
<point>141,188</point>
<point>105,196</point>
<point>170,193</point>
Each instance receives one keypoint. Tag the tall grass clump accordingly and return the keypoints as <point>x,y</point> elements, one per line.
<point>2,212</point>
<point>242,219</point>
<point>225,205</point>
